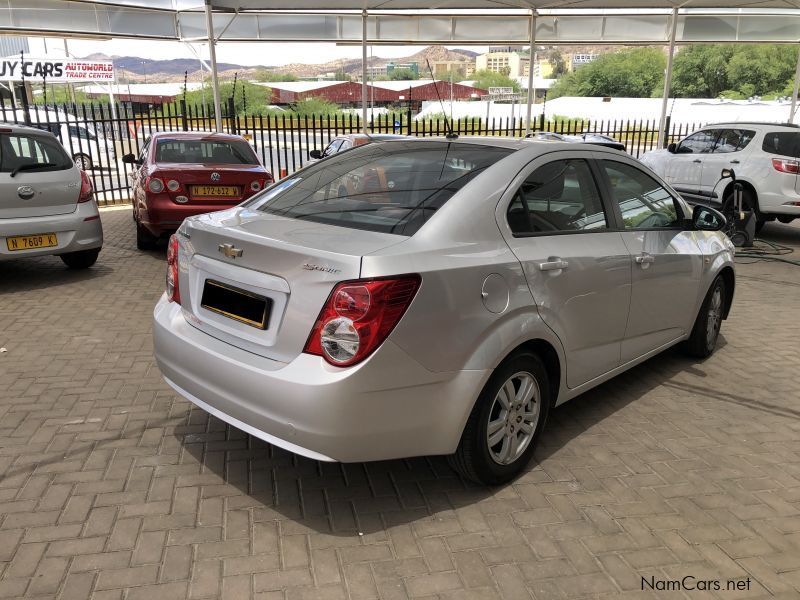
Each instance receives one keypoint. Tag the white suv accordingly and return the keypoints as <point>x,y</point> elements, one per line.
<point>764,156</point>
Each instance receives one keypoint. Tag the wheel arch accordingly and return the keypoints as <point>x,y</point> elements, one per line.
<point>729,278</point>
<point>552,363</point>
<point>748,187</point>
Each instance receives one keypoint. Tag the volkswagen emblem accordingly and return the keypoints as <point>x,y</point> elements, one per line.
<point>215,176</point>
<point>26,192</point>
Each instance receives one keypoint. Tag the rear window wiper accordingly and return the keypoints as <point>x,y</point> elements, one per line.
<point>30,166</point>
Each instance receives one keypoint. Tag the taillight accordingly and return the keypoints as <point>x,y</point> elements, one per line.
<point>87,190</point>
<point>173,185</point>
<point>358,316</point>
<point>173,285</point>
<point>155,185</point>
<point>255,186</point>
<point>784,165</point>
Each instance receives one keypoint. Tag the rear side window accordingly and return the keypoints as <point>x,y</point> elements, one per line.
<point>733,140</point>
<point>220,152</point>
<point>783,143</point>
<point>560,196</point>
<point>390,187</point>
<point>23,152</point>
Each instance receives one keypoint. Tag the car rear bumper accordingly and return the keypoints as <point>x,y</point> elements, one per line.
<point>74,232</point>
<point>160,214</point>
<point>387,407</point>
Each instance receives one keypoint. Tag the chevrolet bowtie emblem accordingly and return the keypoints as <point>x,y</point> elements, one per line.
<point>230,250</point>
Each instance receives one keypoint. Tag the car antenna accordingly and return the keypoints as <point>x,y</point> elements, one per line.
<point>450,135</point>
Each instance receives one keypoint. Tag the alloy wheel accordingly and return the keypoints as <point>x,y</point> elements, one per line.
<point>714,320</point>
<point>513,418</point>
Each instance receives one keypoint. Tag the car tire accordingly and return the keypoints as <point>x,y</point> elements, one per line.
<point>703,339</point>
<point>82,259</point>
<point>83,162</point>
<point>144,239</point>
<point>516,427</point>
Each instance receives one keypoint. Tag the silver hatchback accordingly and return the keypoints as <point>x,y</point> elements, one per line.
<point>47,205</point>
<point>436,296</point>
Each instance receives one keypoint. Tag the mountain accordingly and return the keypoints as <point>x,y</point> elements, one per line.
<point>139,69</point>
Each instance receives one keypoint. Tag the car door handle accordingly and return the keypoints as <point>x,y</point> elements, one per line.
<point>645,259</point>
<point>697,160</point>
<point>553,265</point>
<point>734,162</point>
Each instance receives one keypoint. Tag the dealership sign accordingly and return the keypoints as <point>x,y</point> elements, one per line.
<point>55,70</point>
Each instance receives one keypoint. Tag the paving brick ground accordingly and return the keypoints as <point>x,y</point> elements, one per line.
<point>112,487</point>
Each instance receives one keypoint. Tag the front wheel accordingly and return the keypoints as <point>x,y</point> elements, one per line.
<point>506,422</point>
<point>82,259</point>
<point>703,340</point>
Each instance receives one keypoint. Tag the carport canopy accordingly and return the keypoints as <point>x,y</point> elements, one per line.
<point>401,22</point>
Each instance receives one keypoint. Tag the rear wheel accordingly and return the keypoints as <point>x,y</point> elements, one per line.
<point>144,239</point>
<point>83,259</point>
<point>703,340</point>
<point>83,162</point>
<point>506,422</point>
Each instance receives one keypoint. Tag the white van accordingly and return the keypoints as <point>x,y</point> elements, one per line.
<point>88,148</point>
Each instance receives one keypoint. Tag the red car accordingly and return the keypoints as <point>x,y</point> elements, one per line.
<point>177,175</point>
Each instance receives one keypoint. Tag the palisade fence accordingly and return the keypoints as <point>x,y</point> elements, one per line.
<point>101,135</point>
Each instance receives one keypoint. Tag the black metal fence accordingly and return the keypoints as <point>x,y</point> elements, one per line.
<point>99,135</point>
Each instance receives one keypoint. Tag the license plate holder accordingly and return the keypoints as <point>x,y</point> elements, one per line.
<point>215,191</point>
<point>16,243</point>
<point>237,304</point>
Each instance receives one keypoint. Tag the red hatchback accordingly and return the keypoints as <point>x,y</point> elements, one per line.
<point>178,175</point>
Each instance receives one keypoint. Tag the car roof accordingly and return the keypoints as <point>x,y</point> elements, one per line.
<point>751,123</point>
<point>198,135</point>
<point>17,128</point>
<point>530,145</point>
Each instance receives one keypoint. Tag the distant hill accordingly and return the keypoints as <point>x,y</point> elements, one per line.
<point>140,69</point>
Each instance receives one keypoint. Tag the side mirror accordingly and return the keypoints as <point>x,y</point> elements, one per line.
<point>705,218</point>
<point>728,173</point>
<point>672,148</point>
<point>315,154</point>
<point>129,159</point>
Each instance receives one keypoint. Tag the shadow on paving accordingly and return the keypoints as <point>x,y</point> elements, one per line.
<point>363,498</point>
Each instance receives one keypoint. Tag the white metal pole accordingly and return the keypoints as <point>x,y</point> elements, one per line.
<point>364,72</point>
<point>531,91</point>
<point>662,133</point>
<point>70,86</point>
<point>212,51</point>
<point>793,109</point>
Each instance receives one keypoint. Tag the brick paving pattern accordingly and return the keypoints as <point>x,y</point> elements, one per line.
<point>112,487</point>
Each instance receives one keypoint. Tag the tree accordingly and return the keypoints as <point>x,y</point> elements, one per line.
<point>484,79</point>
<point>316,107</point>
<point>706,71</point>
<point>268,75</point>
<point>402,75</point>
<point>633,72</point>
<point>557,60</point>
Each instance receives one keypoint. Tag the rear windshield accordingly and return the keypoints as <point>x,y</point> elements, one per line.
<point>219,152</point>
<point>25,152</point>
<point>784,143</point>
<point>389,187</point>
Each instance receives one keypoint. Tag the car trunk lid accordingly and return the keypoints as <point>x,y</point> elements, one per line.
<point>211,184</point>
<point>291,263</point>
<point>35,193</point>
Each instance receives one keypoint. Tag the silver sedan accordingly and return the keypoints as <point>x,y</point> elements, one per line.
<point>436,296</point>
<point>47,205</point>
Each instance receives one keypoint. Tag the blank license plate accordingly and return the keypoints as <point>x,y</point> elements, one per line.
<point>30,242</point>
<point>239,305</point>
<point>215,191</point>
